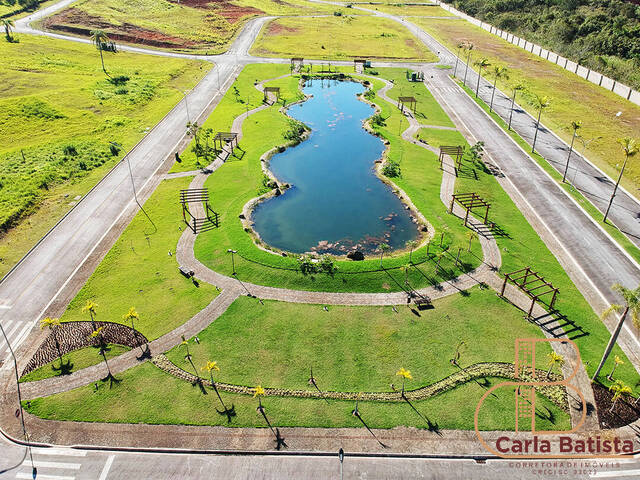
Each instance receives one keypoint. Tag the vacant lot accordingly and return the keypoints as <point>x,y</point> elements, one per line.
<point>201,25</point>
<point>409,10</point>
<point>572,98</point>
<point>58,113</point>
<point>340,38</point>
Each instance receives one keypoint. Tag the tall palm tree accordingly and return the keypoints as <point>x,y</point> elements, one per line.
<point>616,361</point>
<point>631,304</point>
<point>554,359</point>
<point>8,25</point>
<point>576,125</point>
<point>619,389</point>
<point>97,334</point>
<point>99,39</point>
<point>412,245</point>
<point>483,63</point>
<point>630,148</point>
<point>499,72</point>
<point>53,324</point>
<point>91,307</point>
<point>516,88</point>
<point>468,48</point>
<point>213,367</point>
<point>383,247</point>
<point>541,103</point>
<point>406,375</point>
<point>461,45</point>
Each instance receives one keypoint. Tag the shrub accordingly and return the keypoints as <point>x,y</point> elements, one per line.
<point>114,149</point>
<point>121,91</point>
<point>295,132</point>
<point>307,266</point>
<point>391,169</point>
<point>378,120</point>
<point>70,150</point>
<point>119,80</point>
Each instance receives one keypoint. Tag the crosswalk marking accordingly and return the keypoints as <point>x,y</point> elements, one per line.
<point>43,464</point>
<point>70,452</point>
<point>106,468</point>
<point>43,476</point>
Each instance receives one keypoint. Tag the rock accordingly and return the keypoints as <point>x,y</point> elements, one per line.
<point>241,216</point>
<point>284,254</point>
<point>278,192</point>
<point>424,228</point>
<point>356,256</point>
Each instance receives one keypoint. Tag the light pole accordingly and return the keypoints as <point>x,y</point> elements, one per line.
<point>468,47</point>
<point>233,263</point>
<point>34,470</point>
<point>341,458</point>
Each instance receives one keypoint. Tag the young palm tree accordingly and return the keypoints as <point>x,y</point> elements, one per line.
<point>412,245</point>
<point>631,304</point>
<point>91,307</point>
<point>97,334</point>
<point>53,324</point>
<point>383,247</point>
<point>468,48</point>
<point>483,63</point>
<point>213,367</point>
<point>516,88</point>
<point>554,359</point>
<point>472,236</point>
<point>99,38</point>
<point>186,346</point>
<point>619,389</point>
<point>8,25</point>
<point>461,45</point>
<point>616,361</point>
<point>440,256</point>
<point>406,375</point>
<point>576,124</point>
<point>257,393</point>
<point>498,72</point>
<point>541,103</point>
<point>130,316</point>
<point>630,148</point>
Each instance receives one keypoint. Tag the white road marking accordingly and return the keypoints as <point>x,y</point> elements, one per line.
<point>41,464</point>
<point>107,467</point>
<point>43,476</point>
<point>70,452</point>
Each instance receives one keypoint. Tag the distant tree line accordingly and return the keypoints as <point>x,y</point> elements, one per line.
<point>603,35</point>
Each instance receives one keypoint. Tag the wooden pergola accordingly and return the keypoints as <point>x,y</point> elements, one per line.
<point>454,151</point>
<point>268,90</point>
<point>198,224</point>
<point>225,138</point>
<point>410,101</point>
<point>296,62</point>
<point>359,61</point>
<point>531,283</point>
<point>469,201</point>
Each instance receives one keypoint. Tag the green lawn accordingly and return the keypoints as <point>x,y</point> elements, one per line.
<point>340,38</point>
<point>74,361</point>
<point>139,272</point>
<point>349,348</point>
<point>571,97</point>
<point>58,114</point>
<point>436,138</point>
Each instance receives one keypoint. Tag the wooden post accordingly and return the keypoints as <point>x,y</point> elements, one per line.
<point>466,216</point>
<point>441,239</point>
<point>504,285</point>
<point>486,214</point>
<point>533,302</point>
<point>458,257</point>
<point>553,299</point>
<point>453,199</point>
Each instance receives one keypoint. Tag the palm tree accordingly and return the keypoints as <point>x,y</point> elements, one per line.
<point>619,389</point>
<point>91,307</point>
<point>616,361</point>
<point>498,72</point>
<point>97,334</point>
<point>541,103</point>
<point>440,255</point>
<point>383,247</point>
<point>480,64</point>
<point>554,359</point>
<point>468,48</point>
<point>99,38</point>
<point>576,124</point>
<point>630,148</point>
<point>406,375</point>
<point>472,236</point>
<point>186,346</point>
<point>8,25</point>
<point>259,392</point>
<point>518,86</point>
<point>461,45</point>
<point>412,245</point>
<point>130,316</point>
<point>53,324</point>
<point>631,304</point>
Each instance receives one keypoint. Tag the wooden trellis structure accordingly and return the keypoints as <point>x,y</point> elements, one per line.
<point>411,102</point>
<point>361,62</point>
<point>455,152</point>
<point>469,201</point>
<point>531,283</point>
<point>225,138</point>
<point>296,63</point>
<point>198,224</point>
<point>268,90</point>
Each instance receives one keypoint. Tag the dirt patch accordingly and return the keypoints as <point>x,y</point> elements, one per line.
<point>276,28</point>
<point>623,414</point>
<point>77,22</point>
<point>230,12</point>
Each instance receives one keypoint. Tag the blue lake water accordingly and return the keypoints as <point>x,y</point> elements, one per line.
<point>336,204</point>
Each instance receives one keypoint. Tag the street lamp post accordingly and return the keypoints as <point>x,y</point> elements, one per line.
<point>233,263</point>
<point>341,458</point>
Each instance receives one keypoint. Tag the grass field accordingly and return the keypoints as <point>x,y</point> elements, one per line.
<point>350,349</point>
<point>58,114</point>
<point>74,361</point>
<point>339,38</point>
<point>138,272</point>
<point>572,98</point>
<point>203,27</point>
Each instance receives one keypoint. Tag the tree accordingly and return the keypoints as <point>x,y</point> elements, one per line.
<point>575,125</point>
<point>186,346</point>
<point>554,359</point>
<point>616,361</point>
<point>619,389</point>
<point>383,247</point>
<point>97,334</point>
<point>130,316</point>
<point>541,103</point>
<point>8,25</point>
<point>472,236</point>
<point>440,256</point>
<point>406,375</point>
<point>53,324</point>
<point>630,148</point>
<point>468,48</point>
<point>498,72</point>
<point>631,304</point>
<point>91,308</point>
<point>412,245</point>
<point>517,87</point>
<point>99,38</point>
<point>257,393</point>
<point>483,63</point>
